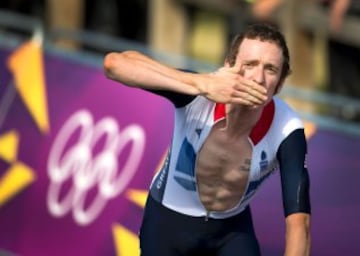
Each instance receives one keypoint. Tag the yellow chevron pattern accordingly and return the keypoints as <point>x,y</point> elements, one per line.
<point>26,64</point>
<point>126,242</point>
<point>16,178</point>
<point>9,146</point>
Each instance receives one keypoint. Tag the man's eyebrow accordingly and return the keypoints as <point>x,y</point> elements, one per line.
<point>250,61</point>
<point>268,65</point>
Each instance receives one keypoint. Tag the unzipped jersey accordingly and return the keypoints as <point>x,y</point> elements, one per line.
<point>273,139</point>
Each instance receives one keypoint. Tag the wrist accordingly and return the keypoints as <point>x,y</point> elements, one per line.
<point>197,82</point>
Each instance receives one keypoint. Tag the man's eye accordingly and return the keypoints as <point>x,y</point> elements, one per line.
<point>248,65</point>
<point>272,70</point>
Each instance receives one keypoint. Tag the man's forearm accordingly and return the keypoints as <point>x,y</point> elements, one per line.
<point>298,239</point>
<point>137,70</point>
<point>134,69</point>
<point>297,244</point>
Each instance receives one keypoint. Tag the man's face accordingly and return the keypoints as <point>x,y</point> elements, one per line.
<point>261,61</point>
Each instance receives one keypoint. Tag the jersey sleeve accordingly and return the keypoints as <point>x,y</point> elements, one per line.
<point>179,100</point>
<point>295,181</point>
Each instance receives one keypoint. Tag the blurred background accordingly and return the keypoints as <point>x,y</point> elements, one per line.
<point>51,54</point>
<point>323,37</point>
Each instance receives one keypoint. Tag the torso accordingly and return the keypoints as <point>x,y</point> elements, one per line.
<point>222,169</point>
<point>205,163</point>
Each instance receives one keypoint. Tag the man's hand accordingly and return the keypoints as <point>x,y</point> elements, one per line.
<point>227,85</point>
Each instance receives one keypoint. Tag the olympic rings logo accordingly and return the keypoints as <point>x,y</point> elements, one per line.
<point>86,171</point>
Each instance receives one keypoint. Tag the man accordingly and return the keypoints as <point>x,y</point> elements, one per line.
<point>230,134</point>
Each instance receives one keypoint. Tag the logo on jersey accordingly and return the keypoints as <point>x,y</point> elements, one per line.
<point>264,163</point>
<point>185,166</point>
<point>198,131</point>
<point>265,171</point>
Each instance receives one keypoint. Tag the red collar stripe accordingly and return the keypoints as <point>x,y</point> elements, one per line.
<point>261,127</point>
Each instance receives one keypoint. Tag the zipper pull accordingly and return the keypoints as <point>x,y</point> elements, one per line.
<point>207,216</point>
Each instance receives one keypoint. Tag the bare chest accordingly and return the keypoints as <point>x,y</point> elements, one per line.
<point>222,170</point>
<point>221,153</point>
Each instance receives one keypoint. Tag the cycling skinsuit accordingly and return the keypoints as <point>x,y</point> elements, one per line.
<point>278,142</point>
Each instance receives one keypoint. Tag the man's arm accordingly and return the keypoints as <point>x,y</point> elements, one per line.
<point>226,85</point>
<point>296,196</point>
<point>298,234</point>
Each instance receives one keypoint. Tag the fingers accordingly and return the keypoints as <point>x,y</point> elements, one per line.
<point>248,99</point>
<point>231,87</point>
<point>237,69</point>
<point>244,102</point>
<point>253,88</point>
<point>258,92</point>
<point>251,91</point>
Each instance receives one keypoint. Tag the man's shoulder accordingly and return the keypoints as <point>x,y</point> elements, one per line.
<point>286,118</point>
<point>284,107</point>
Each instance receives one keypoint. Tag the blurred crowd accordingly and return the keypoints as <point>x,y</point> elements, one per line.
<point>106,16</point>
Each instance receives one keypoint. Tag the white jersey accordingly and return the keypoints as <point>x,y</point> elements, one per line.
<point>175,185</point>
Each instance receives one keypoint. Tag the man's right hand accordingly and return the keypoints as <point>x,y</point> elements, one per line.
<point>227,85</point>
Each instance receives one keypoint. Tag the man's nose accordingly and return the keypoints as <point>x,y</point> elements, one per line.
<point>258,75</point>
